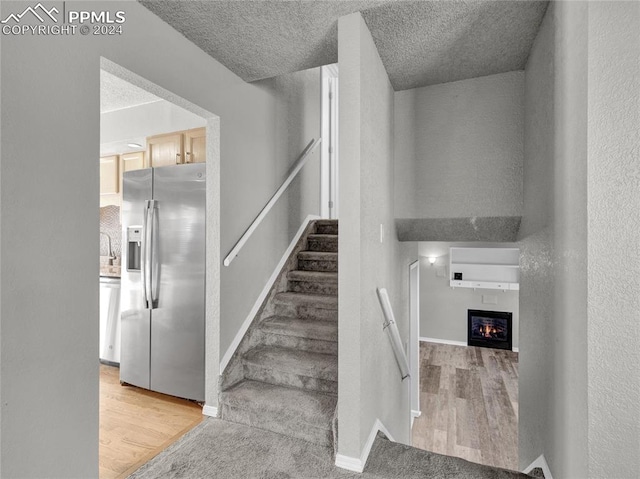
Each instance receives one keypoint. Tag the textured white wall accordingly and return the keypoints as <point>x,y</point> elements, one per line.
<point>464,157</point>
<point>579,386</point>
<point>553,294</point>
<point>404,141</point>
<point>566,434</point>
<point>298,122</point>
<point>536,255</point>
<point>443,309</point>
<point>613,230</point>
<point>50,125</point>
<point>370,387</point>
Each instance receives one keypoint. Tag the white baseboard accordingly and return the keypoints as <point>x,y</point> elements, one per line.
<point>541,462</point>
<point>443,341</point>
<point>349,463</point>
<point>356,464</point>
<point>211,411</point>
<point>414,415</point>
<point>454,343</point>
<point>263,294</point>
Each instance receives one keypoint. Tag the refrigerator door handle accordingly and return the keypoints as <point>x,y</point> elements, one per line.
<point>153,257</point>
<point>146,262</point>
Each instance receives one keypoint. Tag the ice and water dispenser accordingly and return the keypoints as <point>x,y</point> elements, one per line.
<point>134,248</point>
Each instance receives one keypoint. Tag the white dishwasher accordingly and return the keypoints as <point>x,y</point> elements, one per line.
<point>110,320</point>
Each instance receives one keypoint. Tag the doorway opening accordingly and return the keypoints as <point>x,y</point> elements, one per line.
<point>469,394</point>
<point>144,126</point>
<point>329,147</point>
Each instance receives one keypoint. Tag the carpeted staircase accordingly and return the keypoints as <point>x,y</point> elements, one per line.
<point>284,376</point>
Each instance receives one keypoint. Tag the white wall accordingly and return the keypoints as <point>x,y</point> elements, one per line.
<point>370,386</point>
<point>613,186</point>
<point>536,246</point>
<point>298,122</point>
<point>50,125</point>
<point>579,387</point>
<point>459,148</point>
<point>443,309</point>
<point>135,124</point>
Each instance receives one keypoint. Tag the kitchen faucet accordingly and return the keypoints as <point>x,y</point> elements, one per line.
<point>111,255</point>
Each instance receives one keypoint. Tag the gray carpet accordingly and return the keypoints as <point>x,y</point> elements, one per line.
<point>220,449</point>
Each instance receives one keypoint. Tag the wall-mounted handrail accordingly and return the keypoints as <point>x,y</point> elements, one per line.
<point>300,162</point>
<point>392,331</point>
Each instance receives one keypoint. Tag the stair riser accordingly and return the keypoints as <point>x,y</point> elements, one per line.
<point>328,229</point>
<point>306,312</point>
<point>315,265</point>
<point>304,344</point>
<point>324,244</point>
<point>284,426</point>
<point>313,287</point>
<point>282,378</point>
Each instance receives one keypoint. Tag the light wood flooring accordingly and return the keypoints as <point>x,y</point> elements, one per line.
<point>469,404</point>
<point>136,424</point>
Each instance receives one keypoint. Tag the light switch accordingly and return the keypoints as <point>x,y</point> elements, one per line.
<point>381,233</point>
<point>489,299</point>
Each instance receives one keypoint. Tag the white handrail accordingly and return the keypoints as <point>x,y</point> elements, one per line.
<point>394,335</point>
<point>300,162</point>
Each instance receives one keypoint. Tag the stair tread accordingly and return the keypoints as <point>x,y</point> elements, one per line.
<point>327,222</point>
<point>312,407</point>
<point>322,236</point>
<point>320,301</point>
<point>301,328</point>
<point>315,276</point>
<point>295,361</point>
<point>320,255</point>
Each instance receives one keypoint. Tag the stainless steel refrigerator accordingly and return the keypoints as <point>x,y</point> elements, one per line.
<point>163,274</point>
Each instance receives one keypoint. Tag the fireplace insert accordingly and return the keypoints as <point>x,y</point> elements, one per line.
<point>489,329</point>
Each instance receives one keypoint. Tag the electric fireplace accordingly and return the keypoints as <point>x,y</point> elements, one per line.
<point>489,329</point>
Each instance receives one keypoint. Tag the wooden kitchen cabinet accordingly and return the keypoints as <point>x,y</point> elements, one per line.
<point>132,161</point>
<point>195,145</point>
<point>165,150</point>
<point>177,148</point>
<point>129,162</point>
<point>109,175</point>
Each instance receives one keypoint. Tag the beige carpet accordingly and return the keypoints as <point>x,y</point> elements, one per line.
<point>220,449</point>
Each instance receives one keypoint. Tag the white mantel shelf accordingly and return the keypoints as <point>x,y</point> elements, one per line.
<point>485,268</point>
<point>484,285</point>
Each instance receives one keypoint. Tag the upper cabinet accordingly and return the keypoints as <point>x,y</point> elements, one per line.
<point>165,150</point>
<point>177,148</point>
<point>195,145</point>
<point>109,175</point>
<point>132,161</point>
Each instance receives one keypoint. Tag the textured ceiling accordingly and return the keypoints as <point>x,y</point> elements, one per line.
<point>116,94</point>
<point>420,42</point>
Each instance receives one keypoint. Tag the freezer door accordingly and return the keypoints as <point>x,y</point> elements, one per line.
<point>136,326</point>
<point>178,271</point>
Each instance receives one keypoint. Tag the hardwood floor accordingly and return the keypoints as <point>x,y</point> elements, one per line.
<point>136,424</point>
<point>469,403</point>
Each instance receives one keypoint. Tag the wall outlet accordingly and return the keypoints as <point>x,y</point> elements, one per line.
<point>489,299</point>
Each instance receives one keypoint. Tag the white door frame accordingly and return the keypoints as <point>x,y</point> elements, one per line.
<point>329,145</point>
<point>414,337</point>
